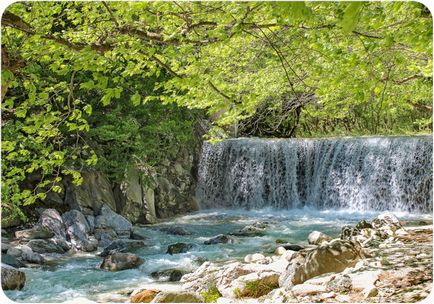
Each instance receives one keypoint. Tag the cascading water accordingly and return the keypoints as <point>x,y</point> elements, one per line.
<point>364,173</point>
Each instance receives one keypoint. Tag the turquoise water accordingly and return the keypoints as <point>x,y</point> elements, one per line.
<point>79,276</point>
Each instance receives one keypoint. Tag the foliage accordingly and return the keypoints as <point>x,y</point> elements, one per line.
<point>211,295</point>
<point>82,80</point>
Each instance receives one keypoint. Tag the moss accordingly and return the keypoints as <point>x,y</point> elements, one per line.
<point>211,295</point>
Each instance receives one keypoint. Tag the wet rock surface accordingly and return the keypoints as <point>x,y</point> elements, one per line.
<point>121,261</point>
<point>179,248</point>
<point>12,278</point>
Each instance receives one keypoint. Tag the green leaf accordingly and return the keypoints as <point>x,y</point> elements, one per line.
<point>135,99</point>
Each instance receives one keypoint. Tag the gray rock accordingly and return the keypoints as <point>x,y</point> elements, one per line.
<point>175,230</point>
<point>121,261</point>
<point>78,230</point>
<point>105,236</point>
<point>37,232</point>
<point>171,275</point>
<point>341,283</point>
<point>12,278</point>
<point>110,219</point>
<point>13,251</point>
<point>220,239</point>
<point>179,248</point>
<point>122,246</point>
<point>249,230</point>
<point>11,261</point>
<point>49,246</point>
<point>52,221</point>
<point>28,255</point>
<point>138,233</point>
<point>178,297</point>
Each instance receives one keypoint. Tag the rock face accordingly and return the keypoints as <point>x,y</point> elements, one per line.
<point>135,201</point>
<point>12,278</point>
<point>178,297</point>
<point>91,195</point>
<point>179,248</point>
<point>331,257</point>
<point>36,232</point>
<point>220,239</point>
<point>110,220</point>
<point>11,261</point>
<point>121,261</point>
<point>122,246</point>
<point>144,296</point>
<point>317,238</point>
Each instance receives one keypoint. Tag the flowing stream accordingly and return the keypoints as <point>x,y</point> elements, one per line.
<point>295,186</point>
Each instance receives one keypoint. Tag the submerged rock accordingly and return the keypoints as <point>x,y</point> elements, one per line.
<point>250,230</point>
<point>178,297</point>
<point>12,278</point>
<point>144,296</point>
<point>179,248</point>
<point>317,238</point>
<point>121,261</point>
<point>175,230</point>
<point>171,275</point>
<point>122,246</point>
<point>220,239</point>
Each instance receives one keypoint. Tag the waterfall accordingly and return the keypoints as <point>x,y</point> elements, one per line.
<point>360,173</point>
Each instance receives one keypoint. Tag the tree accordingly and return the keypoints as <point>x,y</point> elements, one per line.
<point>257,68</point>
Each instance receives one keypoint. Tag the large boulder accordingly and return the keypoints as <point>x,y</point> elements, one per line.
<point>220,239</point>
<point>122,245</point>
<point>12,278</point>
<point>78,230</point>
<point>111,220</point>
<point>179,248</point>
<point>334,256</point>
<point>317,238</point>
<point>51,220</point>
<point>144,296</point>
<point>178,297</point>
<point>121,261</point>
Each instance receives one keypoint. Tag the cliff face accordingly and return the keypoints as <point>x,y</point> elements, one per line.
<point>172,192</point>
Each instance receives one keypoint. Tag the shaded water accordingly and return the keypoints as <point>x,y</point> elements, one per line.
<point>79,276</point>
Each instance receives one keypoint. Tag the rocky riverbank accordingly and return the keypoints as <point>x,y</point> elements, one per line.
<point>383,260</point>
